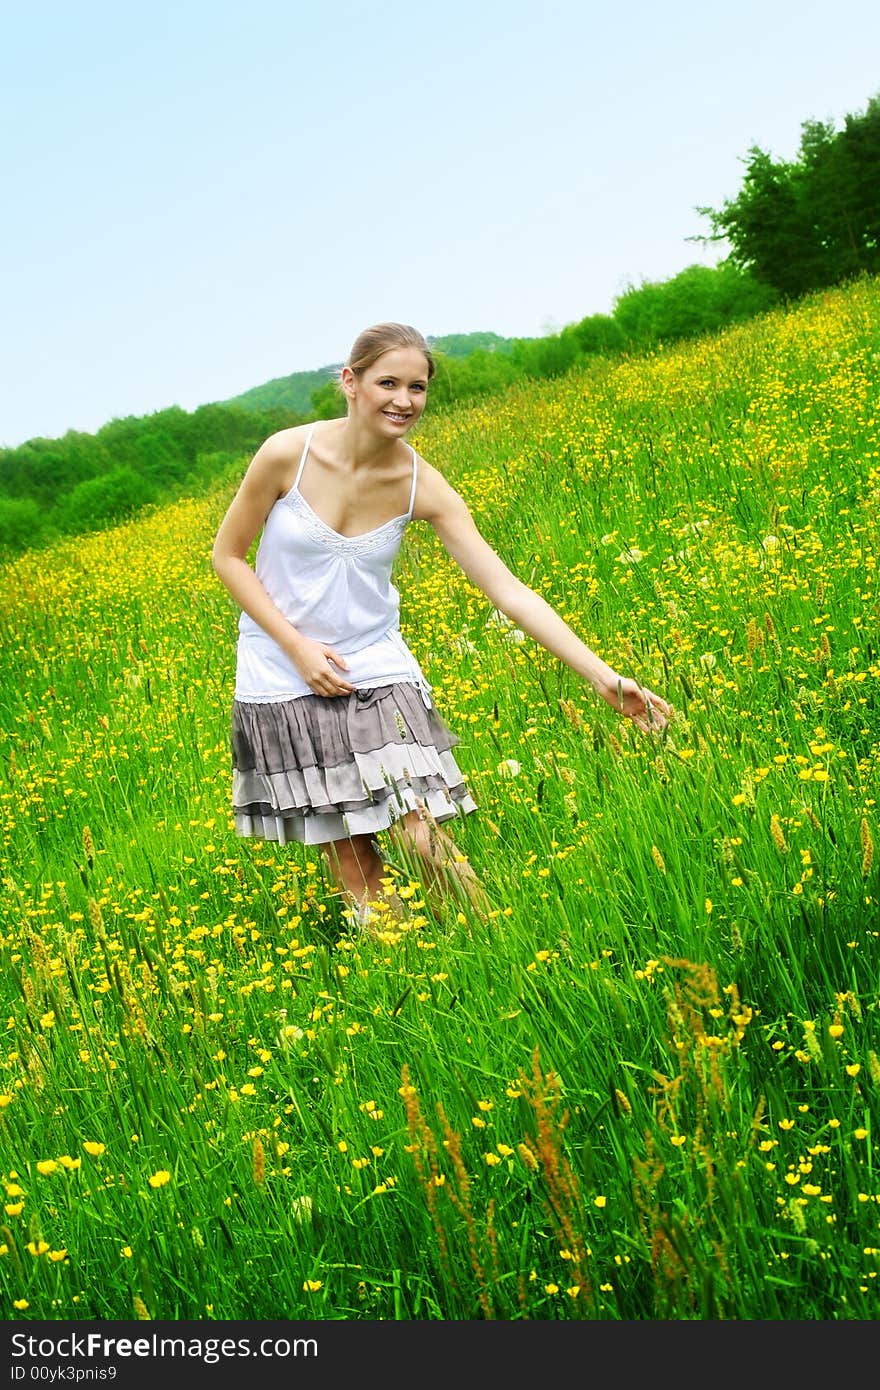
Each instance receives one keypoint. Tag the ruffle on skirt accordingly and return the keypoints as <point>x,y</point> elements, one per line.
<point>315,769</point>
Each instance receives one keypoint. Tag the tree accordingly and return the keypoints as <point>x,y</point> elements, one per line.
<point>102,501</point>
<point>597,333</point>
<point>802,224</point>
<point>327,402</point>
<point>699,299</point>
<point>22,524</point>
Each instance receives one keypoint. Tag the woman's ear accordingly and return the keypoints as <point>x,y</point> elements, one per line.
<point>348,382</point>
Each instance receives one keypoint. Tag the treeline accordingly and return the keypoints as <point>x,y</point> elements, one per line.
<point>795,227</point>
<point>82,482</point>
<point>50,488</point>
<point>814,221</point>
<point>58,487</point>
<point>700,299</point>
<point>295,391</point>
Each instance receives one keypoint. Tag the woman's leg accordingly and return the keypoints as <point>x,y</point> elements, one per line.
<point>358,867</point>
<point>449,875</point>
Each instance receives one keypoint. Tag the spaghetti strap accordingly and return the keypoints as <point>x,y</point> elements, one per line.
<point>415,478</point>
<point>303,457</point>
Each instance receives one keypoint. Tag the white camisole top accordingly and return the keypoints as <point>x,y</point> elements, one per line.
<point>333,588</point>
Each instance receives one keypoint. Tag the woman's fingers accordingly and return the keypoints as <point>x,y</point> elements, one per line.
<point>330,688</point>
<point>326,682</point>
<point>337,660</point>
<point>333,684</point>
<point>317,663</point>
<point>656,713</point>
<point>653,703</point>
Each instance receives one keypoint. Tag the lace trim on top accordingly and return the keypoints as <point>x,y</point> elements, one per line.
<point>348,545</point>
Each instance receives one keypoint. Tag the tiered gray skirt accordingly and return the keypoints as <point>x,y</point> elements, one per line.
<point>315,769</point>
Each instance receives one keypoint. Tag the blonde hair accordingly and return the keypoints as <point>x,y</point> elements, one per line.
<point>369,346</point>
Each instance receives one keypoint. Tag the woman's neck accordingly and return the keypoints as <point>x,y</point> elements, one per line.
<point>360,446</point>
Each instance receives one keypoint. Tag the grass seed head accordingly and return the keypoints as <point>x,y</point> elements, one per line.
<point>867,847</point>
<point>258,1162</point>
<point>778,834</point>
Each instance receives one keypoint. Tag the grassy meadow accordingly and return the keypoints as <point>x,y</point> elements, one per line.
<point>647,1086</point>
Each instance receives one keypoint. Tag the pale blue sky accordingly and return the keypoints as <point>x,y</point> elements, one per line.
<point>201,196</point>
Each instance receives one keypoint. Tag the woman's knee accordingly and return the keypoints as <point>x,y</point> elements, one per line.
<point>421,834</point>
<point>356,851</point>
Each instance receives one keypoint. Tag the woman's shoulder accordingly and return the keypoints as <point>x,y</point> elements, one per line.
<point>280,453</point>
<point>433,493</point>
<point>286,444</point>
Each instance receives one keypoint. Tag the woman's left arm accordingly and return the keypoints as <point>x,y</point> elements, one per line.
<point>449,515</point>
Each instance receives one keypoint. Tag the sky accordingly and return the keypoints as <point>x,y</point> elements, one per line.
<point>200,197</point>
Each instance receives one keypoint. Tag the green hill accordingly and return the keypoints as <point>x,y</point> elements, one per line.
<point>294,392</point>
<point>463,344</point>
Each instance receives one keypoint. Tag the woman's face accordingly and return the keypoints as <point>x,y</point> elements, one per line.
<point>392,392</point>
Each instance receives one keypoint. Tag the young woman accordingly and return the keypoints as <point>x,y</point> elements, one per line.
<point>334,735</point>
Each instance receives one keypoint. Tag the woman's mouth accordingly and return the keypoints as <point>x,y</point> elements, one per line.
<point>395,416</point>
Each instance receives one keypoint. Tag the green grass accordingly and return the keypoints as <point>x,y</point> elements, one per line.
<point>646,1087</point>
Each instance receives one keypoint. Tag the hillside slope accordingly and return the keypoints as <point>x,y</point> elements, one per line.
<point>294,392</point>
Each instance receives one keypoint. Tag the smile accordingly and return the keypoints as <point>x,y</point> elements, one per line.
<point>395,416</point>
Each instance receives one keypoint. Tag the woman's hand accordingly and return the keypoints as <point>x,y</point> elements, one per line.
<point>315,662</point>
<point>649,712</point>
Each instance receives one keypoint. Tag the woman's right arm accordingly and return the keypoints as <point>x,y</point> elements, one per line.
<point>263,483</point>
